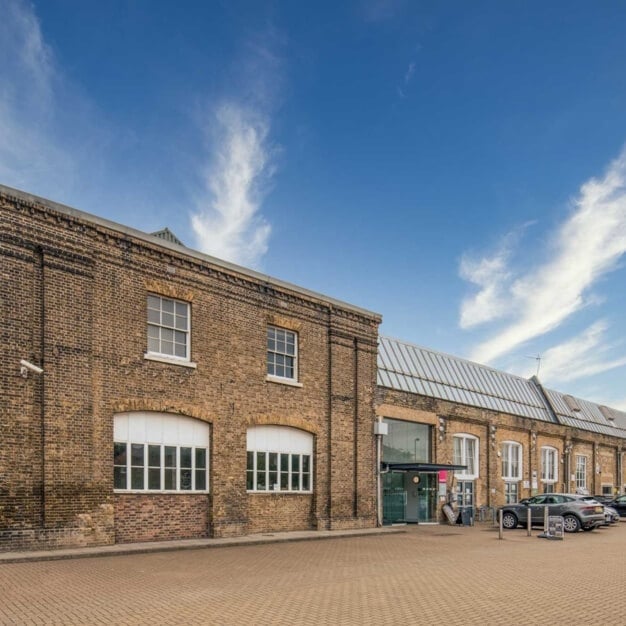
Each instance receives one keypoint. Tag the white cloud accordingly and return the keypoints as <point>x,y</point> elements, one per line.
<point>493,276</point>
<point>588,245</point>
<point>490,275</point>
<point>584,355</point>
<point>241,158</point>
<point>30,157</point>
<point>227,223</point>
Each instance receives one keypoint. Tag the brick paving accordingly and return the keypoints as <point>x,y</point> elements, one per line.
<point>427,575</point>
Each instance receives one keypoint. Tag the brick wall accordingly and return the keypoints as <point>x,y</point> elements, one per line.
<point>73,292</point>
<point>601,451</point>
<point>159,517</point>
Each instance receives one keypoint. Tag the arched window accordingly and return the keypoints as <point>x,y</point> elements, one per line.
<point>160,452</point>
<point>511,469</point>
<point>549,465</point>
<point>466,453</point>
<point>280,458</point>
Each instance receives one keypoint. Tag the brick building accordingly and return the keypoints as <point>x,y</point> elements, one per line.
<point>181,396</point>
<point>510,437</point>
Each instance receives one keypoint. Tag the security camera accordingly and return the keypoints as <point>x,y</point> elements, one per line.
<point>27,365</point>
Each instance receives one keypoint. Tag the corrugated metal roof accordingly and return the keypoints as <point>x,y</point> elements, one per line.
<point>590,415</point>
<point>411,368</point>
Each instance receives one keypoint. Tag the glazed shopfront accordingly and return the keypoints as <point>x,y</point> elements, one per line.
<point>413,487</point>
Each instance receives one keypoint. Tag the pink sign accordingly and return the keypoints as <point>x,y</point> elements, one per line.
<point>443,476</point>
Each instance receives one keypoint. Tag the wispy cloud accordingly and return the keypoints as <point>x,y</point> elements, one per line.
<point>408,75</point>
<point>584,355</point>
<point>228,224</point>
<point>492,275</point>
<point>587,246</point>
<point>241,160</point>
<point>29,155</point>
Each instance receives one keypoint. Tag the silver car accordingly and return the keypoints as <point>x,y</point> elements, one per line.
<point>576,512</point>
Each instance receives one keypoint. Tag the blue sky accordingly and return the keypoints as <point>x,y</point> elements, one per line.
<point>458,167</point>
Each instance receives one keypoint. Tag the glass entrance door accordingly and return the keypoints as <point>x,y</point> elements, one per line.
<point>410,497</point>
<point>427,498</point>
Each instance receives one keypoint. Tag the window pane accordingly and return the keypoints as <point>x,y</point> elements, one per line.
<point>273,484</point>
<point>154,317</point>
<point>136,453</point>
<point>169,456</point>
<point>119,478</point>
<point>306,463</point>
<point>154,456</point>
<point>200,479</point>
<point>181,309</point>
<point>185,479</point>
<point>305,482</point>
<point>154,302</point>
<point>153,345</point>
<point>200,458</point>
<point>260,481</point>
<point>185,457</point>
<point>136,478</point>
<point>170,479</point>
<point>249,480</point>
<point>284,462</point>
<point>273,461</point>
<point>295,482</point>
<point>119,454</point>
<point>250,461</point>
<point>167,305</point>
<point>284,481</point>
<point>154,478</point>
<point>260,461</point>
<point>295,462</point>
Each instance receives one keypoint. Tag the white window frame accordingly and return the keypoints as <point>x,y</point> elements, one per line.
<point>164,324</point>
<point>511,491</point>
<point>461,456</point>
<point>272,351</point>
<point>580,472</point>
<point>508,461</point>
<point>290,445</point>
<point>549,465</point>
<point>162,430</point>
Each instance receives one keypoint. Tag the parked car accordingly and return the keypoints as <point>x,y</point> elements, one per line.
<point>611,516</point>
<point>576,512</point>
<point>619,504</point>
<point>602,499</point>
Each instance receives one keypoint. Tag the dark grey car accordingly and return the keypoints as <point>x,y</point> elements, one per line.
<point>576,512</point>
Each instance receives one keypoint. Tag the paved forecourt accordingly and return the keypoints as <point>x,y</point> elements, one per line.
<point>427,575</point>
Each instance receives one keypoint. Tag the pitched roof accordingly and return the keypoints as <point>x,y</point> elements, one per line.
<point>407,367</point>
<point>415,369</point>
<point>168,235</point>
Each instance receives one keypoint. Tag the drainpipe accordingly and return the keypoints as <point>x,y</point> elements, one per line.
<point>42,384</point>
<point>380,429</point>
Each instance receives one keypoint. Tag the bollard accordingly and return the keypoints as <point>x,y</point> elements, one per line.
<point>529,523</point>
<point>500,524</point>
<point>545,521</point>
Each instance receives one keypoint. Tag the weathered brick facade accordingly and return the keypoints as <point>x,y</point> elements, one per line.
<point>73,299</point>
<point>492,429</point>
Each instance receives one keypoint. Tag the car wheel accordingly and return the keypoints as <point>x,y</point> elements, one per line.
<point>571,524</point>
<point>509,520</point>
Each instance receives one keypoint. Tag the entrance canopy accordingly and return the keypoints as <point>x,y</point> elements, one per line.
<point>419,467</point>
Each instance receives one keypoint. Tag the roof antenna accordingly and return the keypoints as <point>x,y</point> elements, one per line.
<point>538,359</point>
